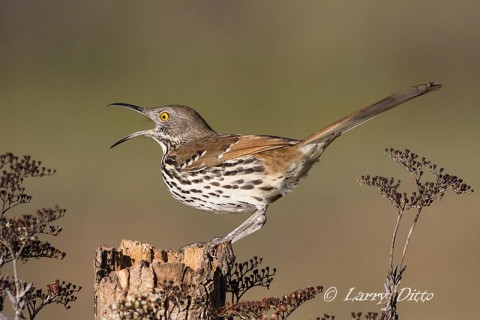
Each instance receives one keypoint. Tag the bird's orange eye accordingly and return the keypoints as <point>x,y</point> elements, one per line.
<point>164,116</point>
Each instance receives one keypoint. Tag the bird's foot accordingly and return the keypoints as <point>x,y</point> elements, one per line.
<point>215,242</point>
<point>194,244</point>
<point>212,244</point>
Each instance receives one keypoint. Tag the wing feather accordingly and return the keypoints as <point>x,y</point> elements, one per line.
<point>214,150</point>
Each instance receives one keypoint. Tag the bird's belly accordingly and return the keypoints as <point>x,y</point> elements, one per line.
<point>223,189</point>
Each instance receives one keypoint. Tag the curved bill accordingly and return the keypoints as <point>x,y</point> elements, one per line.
<point>134,108</point>
<point>130,136</point>
<point>128,106</point>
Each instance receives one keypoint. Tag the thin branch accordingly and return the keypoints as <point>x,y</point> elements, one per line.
<point>419,210</point>
<point>394,237</point>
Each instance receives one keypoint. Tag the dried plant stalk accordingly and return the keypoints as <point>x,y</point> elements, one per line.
<point>20,240</point>
<point>423,196</point>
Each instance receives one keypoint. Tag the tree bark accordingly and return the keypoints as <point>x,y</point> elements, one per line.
<point>187,284</point>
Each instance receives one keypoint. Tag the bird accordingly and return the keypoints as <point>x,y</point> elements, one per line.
<point>234,173</point>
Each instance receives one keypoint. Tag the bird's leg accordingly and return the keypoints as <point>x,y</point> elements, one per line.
<point>252,224</point>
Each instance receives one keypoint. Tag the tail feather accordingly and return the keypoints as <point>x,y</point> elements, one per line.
<point>329,133</point>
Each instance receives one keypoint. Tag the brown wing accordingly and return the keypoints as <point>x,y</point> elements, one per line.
<point>213,150</point>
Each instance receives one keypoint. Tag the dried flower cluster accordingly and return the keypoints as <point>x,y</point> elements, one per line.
<point>425,194</point>
<point>14,171</point>
<point>326,317</point>
<point>282,307</point>
<point>19,240</point>
<point>56,293</point>
<point>366,316</point>
<point>19,236</point>
<point>246,275</point>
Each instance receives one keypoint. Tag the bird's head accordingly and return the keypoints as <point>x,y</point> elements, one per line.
<point>174,125</point>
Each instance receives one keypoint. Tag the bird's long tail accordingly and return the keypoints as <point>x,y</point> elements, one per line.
<point>329,133</point>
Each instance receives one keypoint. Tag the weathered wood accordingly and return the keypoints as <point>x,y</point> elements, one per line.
<point>187,283</point>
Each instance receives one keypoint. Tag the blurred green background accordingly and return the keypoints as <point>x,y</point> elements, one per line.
<point>284,68</point>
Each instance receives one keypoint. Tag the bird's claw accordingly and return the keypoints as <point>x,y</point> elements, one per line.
<point>212,245</point>
<point>215,242</point>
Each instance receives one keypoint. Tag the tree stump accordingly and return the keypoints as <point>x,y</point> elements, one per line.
<point>139,281</point>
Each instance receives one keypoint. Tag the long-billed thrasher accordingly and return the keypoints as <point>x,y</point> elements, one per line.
<point>235,173</point>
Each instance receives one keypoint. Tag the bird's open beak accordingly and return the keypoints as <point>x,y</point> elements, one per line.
<point>130,136</point>
<point>136,134</point>
<point>129,106</point>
